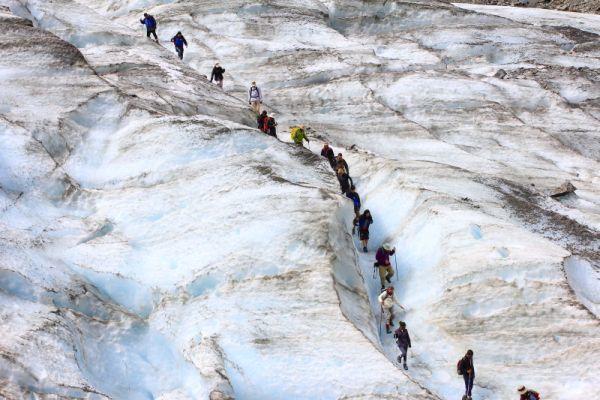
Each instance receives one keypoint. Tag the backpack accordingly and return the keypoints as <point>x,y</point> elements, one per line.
<point>297,134</point>
<point>532,396</point>
<point>459,366</point>
<point>254,92</point>
<point>151,22</point>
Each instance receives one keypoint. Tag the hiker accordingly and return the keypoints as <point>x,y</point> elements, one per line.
<point>178,40</point>
<point>528,394</point>
<point>298,134</point>
<point>260,121</point>
<point>403,341</point>
<point>386,300</point>
<point>363,228</point>
<point>254,97</point>
<point>340,162</point>
<point>351,194</point>
<point>344,179</point>
<point>271,126</point>
<point>327,152</point>
<point>217,75</point>
<point>467,370</point>
<point>150,23</point>
<point>383,263</point>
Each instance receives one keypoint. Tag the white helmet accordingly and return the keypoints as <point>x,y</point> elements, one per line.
<point>387,247</point>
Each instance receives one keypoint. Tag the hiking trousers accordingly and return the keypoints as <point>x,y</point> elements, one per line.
<point>179,52</point>
<point>468,383</point>
<point>386,271</point>
<point>403,351</point>
<point>153,32</point>
<point>255,104</point>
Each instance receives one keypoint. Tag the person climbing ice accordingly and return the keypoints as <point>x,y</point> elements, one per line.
<point>179,41</point>
<point>386,301</point>
<point>260,121</point>
<point>364,222</point>
<point>403,341</point>
<point>255,97</point>
<point>353,195</point>
<point>150,23</point>
<point>466,368</point>
<point>327,152</point>
<point>528,394</point>
<point>383,263</point>
<point>340,162</point>
<point>217,75</point>
<point>271,126</point>
<point>344,179</point>
<point>298,135</point>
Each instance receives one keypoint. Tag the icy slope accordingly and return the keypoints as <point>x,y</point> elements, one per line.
<point>153,254</point>
<point>169,251</point>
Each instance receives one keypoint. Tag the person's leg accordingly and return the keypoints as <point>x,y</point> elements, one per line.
<point>382,276</point>
<point>220,83</point>
<point>148,31</point>
<point>471,379</point>
<point>180,52</point>
<point>466,378</point>
<point>154,34</point>
<point>389,272</point>
<point>403,355</point>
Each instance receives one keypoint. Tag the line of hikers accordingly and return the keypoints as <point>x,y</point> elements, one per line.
<point>267,124</point>
<point>383,266</point>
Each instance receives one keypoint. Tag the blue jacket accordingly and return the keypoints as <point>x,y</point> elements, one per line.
<point>149,21</point>
<point>179,41</point>
<point>355,198</point>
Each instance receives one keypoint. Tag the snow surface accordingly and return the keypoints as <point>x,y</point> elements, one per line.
<point>155,245</point>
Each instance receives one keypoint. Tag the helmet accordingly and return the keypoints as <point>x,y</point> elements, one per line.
<point>522,389</point>
<point>387,247</point>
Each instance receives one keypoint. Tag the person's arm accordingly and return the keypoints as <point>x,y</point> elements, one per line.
<point>212,75</point>
<point>351,182</point>
<point>143,21</point>
<point>259,94</point>
<point>408,337</point>
<point>346,166</point>
<point>250,95</point>
<point>381,297</point>
<point>184,41</point>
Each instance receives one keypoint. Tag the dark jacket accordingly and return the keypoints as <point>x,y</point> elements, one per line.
<point>355,198</point>
<point>150,22</point>
<point>345,182</point>
<point>402,338</point>
<point>328,154</point>
<point>260,122</point>
<point>467,364</point>
<point>383,257</point>
<point>342,163</point>
<point>217,74</point>
<point>364,222</point>
<point>271,126</point>
<point>179,41</point>
<point>530,395</point>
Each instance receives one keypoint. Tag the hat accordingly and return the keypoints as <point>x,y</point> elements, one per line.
<point>254,82</point>
<point>403,324</point>
<point>339,154</point>
<point>387,246</point>
<point>522,389</point>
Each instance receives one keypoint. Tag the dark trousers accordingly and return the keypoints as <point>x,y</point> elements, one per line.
<point>403,350</point>
<point>179,52</point>
<point>468,383</point>
<point>153,32</point>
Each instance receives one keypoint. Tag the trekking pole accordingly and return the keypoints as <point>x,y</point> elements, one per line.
<point>380,318</point>
<point>396,265</point>
<point>374,268</point>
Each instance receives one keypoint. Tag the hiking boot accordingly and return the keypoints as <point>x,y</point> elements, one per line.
<point>382,288</point>
<point>387,278</point>
<point>399,359</point>
<point>365,249</point>
<point>405,367</point>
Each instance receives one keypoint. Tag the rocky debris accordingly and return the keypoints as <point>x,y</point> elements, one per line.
<point>500,74</point>
<point>563,190</point>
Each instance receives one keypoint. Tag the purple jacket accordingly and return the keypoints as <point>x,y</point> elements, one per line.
<point>383,257</point>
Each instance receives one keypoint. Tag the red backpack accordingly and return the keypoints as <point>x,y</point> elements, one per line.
<point>459,365</point>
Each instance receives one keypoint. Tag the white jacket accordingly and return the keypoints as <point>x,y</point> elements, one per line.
<point>386,300</point>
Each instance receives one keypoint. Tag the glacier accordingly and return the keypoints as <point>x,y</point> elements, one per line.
<point>155,245</point>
